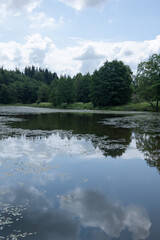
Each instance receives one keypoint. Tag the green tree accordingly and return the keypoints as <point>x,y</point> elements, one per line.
<point>4,94</point>
<point>53,94</point>
<point>63,91</point>
<point>39,76</point>
<point>13,92</point>
<point>70,93</point>
<point>111,84</point>
<point>148,80</point>
<point>43,93</point>
<point>82,85</point>
<point>96,87</point>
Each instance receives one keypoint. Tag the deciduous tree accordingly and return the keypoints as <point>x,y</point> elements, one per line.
<point>148,80</point>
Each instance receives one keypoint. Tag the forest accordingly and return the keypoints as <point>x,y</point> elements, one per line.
<point>113,84</point>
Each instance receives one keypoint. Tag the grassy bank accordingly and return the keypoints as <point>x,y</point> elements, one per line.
<point>15,104</point>
<point>77,105</point>
<point>142,106</point>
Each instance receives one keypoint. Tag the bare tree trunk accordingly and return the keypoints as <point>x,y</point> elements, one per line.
<point>150,103</point>
<point>157,105</point>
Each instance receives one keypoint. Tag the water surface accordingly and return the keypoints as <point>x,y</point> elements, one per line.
<point>79,175</point>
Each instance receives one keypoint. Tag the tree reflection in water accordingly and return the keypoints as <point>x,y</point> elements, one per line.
<point>61,210</point>
<point>112,141</point>
<point>111,133</point>
<point>149,144</point>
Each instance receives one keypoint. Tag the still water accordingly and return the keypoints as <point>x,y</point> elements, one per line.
<point>79,175</point>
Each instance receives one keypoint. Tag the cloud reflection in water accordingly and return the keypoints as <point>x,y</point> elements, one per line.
<point>47,148</point>
<point>96,211</point>
<point>40,219</point>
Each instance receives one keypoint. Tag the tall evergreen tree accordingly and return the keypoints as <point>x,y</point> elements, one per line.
<point>82,85</point>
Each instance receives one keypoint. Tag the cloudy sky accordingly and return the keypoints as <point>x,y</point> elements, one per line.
<point>71,36</point>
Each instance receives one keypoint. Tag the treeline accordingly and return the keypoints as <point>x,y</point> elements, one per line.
<point>108,86</point>
<point>25,87</point>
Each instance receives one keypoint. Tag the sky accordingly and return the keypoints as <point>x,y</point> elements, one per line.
<point>72,36</point>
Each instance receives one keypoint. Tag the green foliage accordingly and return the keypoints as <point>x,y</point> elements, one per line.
<point>42,105</point>
<point>147,80</point>
<point>27,87</point>
<point>43,93</point>
<point>78,105</point>
<point>62,91</point>
<point>39,74</point>
<point>141,106</point>
<point>111,85</point>
<point>82,87</point>
<point>108,86</point>
<point>4,94</point>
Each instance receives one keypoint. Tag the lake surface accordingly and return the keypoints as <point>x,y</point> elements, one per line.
<point>79,175</point>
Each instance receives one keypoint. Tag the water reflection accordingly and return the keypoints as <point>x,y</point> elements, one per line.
<point>32,214</point>
<point>96,211</point>
<point>149,144</point>
<point>146,131</point>
<point>45,149</point>
<point>43,157</point>
<point>113,142</point>
<point>109,136</point>
<point>34,217</point>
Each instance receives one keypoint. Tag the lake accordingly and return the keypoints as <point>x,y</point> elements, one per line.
<point>72,175</point>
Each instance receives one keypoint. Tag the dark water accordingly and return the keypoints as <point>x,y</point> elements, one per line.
<point>79,176</point>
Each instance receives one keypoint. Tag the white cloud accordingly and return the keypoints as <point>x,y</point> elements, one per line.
<point>3,11</point>
<point>90,59</point>
<point>28,52</point>
<point>80,4</point>
<point>90,54</point>
<point>40,20</point>
<point>16,7</point>
<point>130,52</point>
<point>96,211</point>
<point>83,56</point>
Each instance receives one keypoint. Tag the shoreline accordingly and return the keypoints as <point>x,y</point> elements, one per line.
<point>81,107</point>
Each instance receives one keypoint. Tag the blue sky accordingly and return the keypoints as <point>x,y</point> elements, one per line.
<point>71,36</point>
